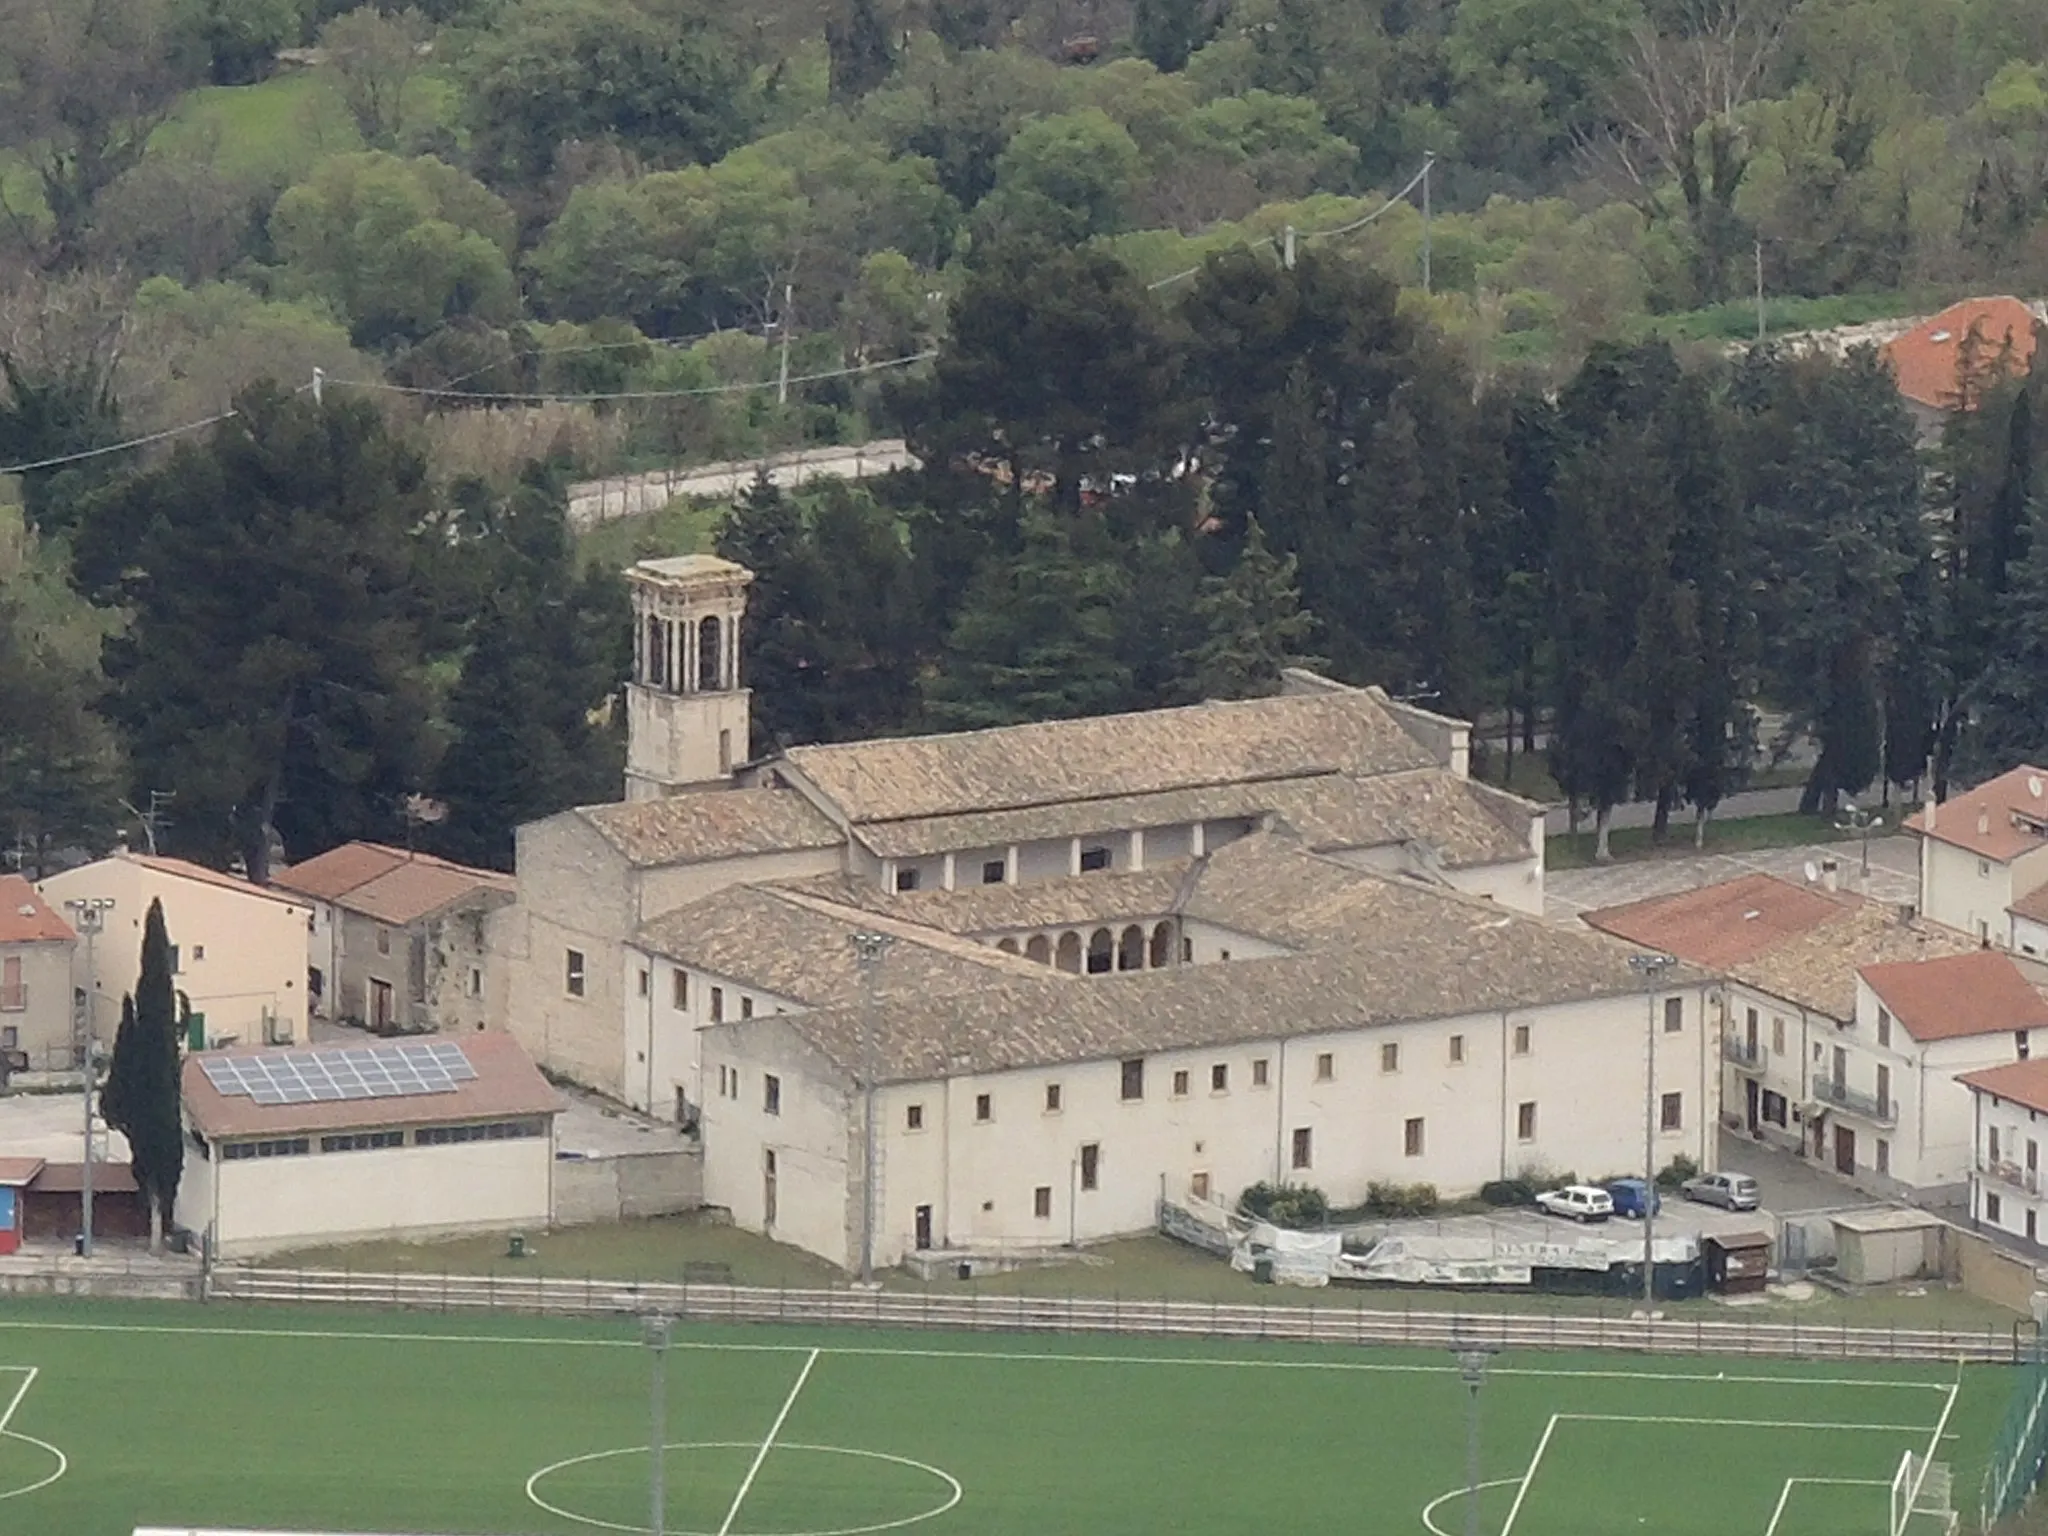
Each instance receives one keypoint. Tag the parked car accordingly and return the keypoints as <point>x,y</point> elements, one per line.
<point>1731,1191</point>
<point>1581,1202</point>
<point>1630,1196</point>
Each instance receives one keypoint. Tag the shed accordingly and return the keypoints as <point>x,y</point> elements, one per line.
<point>51,1204</point>
<point>15,1174</point>
<point>1738,1263</point>
<point>1872,1247</point>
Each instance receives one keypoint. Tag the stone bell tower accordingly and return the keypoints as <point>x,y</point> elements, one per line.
<point>686,713</point>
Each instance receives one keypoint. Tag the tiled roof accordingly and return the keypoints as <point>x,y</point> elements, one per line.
<point>17,1171</point>
<point>2024,1083</point>
<point>25,918</point>
<point>712,824</point>
<point>793,944</point>
<point>390,884</point>
<point>1980,993</point>
<point>2033,905</point>
<point>1926,359</point>
<point>1075,900</point>
<point>2000,819</point>
<point>507,1085</point>
<point>1110,756</point>
<point>1390,951</point>
<point>1792,941</point>
<point>185,870</point>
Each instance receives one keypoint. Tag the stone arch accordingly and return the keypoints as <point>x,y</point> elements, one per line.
<point>1130,949</point>
<point>1101,952</point>
<point>710,656</point>
<point>1038,947</point>
<point>1007,946</point>
<point>1162,945</point>
<point>1070,951</point>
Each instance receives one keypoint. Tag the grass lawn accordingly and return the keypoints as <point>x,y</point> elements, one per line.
<point>1736,835</point>
<point>283,1419</point>
<point>683,527</point>
<point>276,130</point>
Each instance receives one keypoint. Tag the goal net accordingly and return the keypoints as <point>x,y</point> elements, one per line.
<point>1922,1498</point>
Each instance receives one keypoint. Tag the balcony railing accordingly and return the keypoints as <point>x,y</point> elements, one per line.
<point>13,996</point>
<point>1855,1101</point>
<point>1738,1050</point>
<point>2012,1174</point>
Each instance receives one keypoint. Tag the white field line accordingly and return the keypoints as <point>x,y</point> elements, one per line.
<point>1068,1358</point>
<point>747,1482</point>
<point>28,1380</point>
<point>1933,1445</point>
<point>1832,1482</point>
<point>1529,1476</point>
<point>1638,1418</point>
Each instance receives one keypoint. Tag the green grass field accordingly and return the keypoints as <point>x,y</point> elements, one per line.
<point>284,1419</point>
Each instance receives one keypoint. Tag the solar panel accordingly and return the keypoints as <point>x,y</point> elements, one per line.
<point>399,1069</point>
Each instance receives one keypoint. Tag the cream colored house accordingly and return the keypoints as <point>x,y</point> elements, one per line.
<point>1339,1027</point>
<point>2008,1129</point>
<point>39,1021</point>
<point>1984,851</point>
<point>1798,1026</point>
<point>238,950</point>
<point>473,1150</point>
<point>396,943</point>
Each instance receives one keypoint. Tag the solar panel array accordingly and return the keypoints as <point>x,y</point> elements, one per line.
<point>392,1071</point>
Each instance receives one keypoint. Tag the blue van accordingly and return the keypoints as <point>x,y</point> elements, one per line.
<point>1631,1195</point>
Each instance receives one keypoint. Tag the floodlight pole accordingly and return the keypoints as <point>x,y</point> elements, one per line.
<point>655,1332</point>
<point>868,949</point>
<point>1860,821</point>
<point>88,916</point>
<point>1472,1362</point>
<point>1650,967</point>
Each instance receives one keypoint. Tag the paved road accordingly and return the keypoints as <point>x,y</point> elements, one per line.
<point>599,501</point>
<point>1790,1184</point>
<point>1894,874</point>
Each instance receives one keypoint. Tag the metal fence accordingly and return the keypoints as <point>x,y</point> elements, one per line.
<point>980,1312</point>
<point>2021,1449</point>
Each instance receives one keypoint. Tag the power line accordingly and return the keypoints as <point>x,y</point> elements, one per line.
<point>133,442</point>
<point>630,394</point>
<point>1268,242</point>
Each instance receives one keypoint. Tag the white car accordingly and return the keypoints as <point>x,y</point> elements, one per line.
<point>1581,1202</point>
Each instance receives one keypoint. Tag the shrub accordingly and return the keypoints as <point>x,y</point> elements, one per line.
<point>1401,1199</point>
<point>1521,1191</point>
<point>1677,1171</point>
<point>1297,1206</point>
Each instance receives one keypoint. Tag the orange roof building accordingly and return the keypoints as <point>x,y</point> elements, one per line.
<point>1929,360</point>
<point>1983,851</point>
<point>1957,996</point>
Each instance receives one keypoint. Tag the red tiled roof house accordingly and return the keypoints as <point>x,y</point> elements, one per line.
<point>36,948</point>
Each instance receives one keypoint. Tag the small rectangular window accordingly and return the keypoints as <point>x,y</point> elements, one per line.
<point>984,1107</point>
<point>679,989</point>
<point>1187,951</point>
<point>1041,1202</point>
<point>1778,1036</point>
<point>1884,1156</point>
<point>198,954</point>
<point>643,981</point>
<point>718,1005</point>
<point>1326,1066</point>
<point>1411,1137</point>
<point>1671,1112</point>
<point>1457,1049</point>
<point>383,941</point>
<point>1260,1072</point>
<point>1134,1079</point>
<point>1219,1078</point>
<point>913,1118</point>
<point>176,967</point>
<point>1993,1212</point>
<point>1525,1121</point>
<point>1180,1084</point>
<point>1304,1147</point>
<point>746,1006</point>
<point>1521,1039</point>
<point>1884,1027</point>
<point>1093,859</point>
<point>1091,1165</point>
<point>2020,1042</point>
<point>906,879</point>
<point>1052,1098</point>
<point>476,982</point>
<point>572,973</point>
<point>1674,1015</point>
<point>771,1093</point>
<point>993,872</point>
<point>1390,1057</point>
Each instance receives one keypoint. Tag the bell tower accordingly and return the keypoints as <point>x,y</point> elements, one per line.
<point>686,714</point>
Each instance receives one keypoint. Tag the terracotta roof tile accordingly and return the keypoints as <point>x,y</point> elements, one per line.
<point>185,870</point>
<point>2017,1082</point>
<point>25,918</point>
<point>506,1085</point>
<point>1926,359</point>
<point>17,1171</point>
<point>1980,993</point>
<point>1073,900</point>
<point>2000,819</point>
<point>337,871</point>
<point>391,885</point>
<point>712,824</point>
<point>2032,905</point>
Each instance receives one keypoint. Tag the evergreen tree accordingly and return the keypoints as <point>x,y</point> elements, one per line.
<point>1169,31</point>
<point>857,43</point>
<point>142,1099</point>
<point>1253,626</point>
<point>2010,702</point>
<point>1036,639</point>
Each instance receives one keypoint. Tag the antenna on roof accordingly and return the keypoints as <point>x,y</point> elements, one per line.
<point>1812,871</point>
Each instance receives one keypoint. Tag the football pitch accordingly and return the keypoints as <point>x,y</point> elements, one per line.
<point>114,1416</point>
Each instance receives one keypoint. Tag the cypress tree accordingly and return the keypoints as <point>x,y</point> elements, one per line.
<point>142,1099</point>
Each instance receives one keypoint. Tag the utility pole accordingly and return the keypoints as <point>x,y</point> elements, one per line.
<point>782,380</point>
<point>1759,290</point>
<point>88,916</point>
<point>1650,967</point>
<point>1287,247</point>
<point>1473,1360</point>
<point>319,386</point>
<point>1863,822</point>
<point>1428,162</point>
<point>868,949</point>
<point>655,1334</point>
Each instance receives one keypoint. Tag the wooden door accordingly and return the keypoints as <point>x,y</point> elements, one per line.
<point>923,1238</point>
<point>1845,1150</point>
<point>768,1188</point>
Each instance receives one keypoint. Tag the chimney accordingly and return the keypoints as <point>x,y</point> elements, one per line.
<point>1933,806</point>
<point>1983,822</point>
<point>1830,875</point>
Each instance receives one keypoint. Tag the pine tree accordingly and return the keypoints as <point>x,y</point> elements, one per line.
<point>2010,702</point>
<point>142,1099</point>
<point>1253,626</point>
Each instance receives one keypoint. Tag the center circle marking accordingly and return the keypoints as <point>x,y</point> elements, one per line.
<point>953,1491</point>
<point>63,1465</point>
<point>1429,1510</point>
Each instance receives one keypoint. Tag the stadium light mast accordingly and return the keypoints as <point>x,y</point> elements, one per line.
<point>1473,1359</point>
<point>654,1332</point>
<point>1650,967</point>
<point>868,949</point>
<point>89,917</point>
